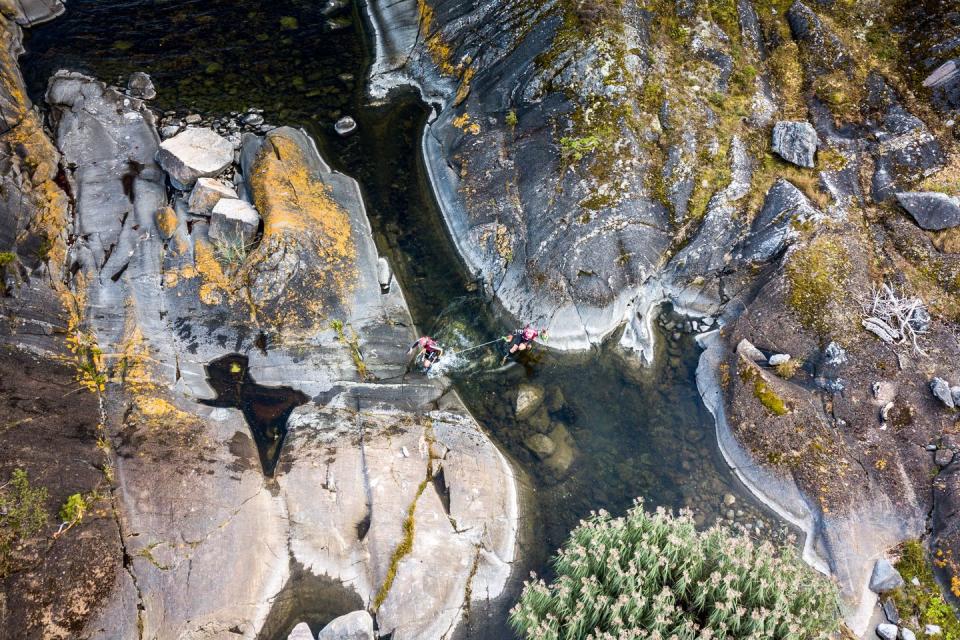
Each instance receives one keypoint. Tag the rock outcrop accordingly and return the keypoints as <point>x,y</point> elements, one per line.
<point>376,484</point>
<point>933,211</point>
<point>795,142</point>
<point>594,161</point>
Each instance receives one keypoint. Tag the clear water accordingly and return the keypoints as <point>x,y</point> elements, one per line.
<point>632,432</point>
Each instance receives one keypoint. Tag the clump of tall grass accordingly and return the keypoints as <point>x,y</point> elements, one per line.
<point>654,576</point>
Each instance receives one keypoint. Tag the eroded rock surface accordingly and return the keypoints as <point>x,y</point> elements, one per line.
<point>398,505</point>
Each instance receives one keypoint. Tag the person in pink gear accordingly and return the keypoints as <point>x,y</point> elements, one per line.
<point>522,339</point>
<point>429,351</point>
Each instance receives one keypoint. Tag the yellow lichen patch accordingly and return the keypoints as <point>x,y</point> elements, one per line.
<point>216,285</point>
<point>86,356</point>
<point>172,278</point>
<point>154,407</point>
<point>166,221</point>
<point>817,275</point>
<point>947,241</point>
<point>439,50</point>
<point>27,146</point>
<point>464,123</point>
<point>464,89</point>
<point>130,362</point>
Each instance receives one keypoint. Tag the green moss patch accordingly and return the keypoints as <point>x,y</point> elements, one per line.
<point>817,276</point>
<point>924,604</point>
<point>762,391</point>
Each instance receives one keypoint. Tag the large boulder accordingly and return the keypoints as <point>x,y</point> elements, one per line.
<point>353,626</point>
<point>932,210</point>
<point>350,467</point>
<point>195,152</point>
<point>796,142</point>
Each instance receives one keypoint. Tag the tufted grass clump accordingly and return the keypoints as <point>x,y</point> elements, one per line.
<point>654,576</point>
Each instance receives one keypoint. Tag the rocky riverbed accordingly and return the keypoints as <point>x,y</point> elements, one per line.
<point>787,169</point>
<point>784,174</point>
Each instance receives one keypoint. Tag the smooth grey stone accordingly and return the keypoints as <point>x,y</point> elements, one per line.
<point>933,211</point>
<point>796,142</point>
<point>301,632</point>
<point>943,457</point>
<point>207,192</point>
<point>353,626</point>
<point>234,222</point>
<point>884,577</point>
<point>887,631</point>
<point>941,390</point>
<point>345,125</point>
<point>750,352</point>
<point>196,152</point>
<point>890,611</point>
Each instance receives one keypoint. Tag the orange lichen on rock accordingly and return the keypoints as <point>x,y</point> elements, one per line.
<point>216,285</point>
<point>464,123</point>
<point>307,237</point>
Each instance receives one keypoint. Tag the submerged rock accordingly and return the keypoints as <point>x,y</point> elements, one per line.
<point>195,152</point>
<point>352,626</point>
<point>564,450</point>
<point>529,399</point>
<point>932,210</point>
<point>796,142</point>
<point>540,445</point>
<point>139,85</point>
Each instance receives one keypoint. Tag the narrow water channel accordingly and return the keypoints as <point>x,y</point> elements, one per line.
<point>623,432</point>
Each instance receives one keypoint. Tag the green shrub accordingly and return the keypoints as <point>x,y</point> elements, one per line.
<point>6,257</point>
<point>22,514</point>
<point>655,576</point>
<point>73,509</point>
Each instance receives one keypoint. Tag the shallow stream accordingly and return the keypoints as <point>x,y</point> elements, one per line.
<point>631,432</point>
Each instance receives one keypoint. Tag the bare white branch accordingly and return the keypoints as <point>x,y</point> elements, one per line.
<point>896,319</point>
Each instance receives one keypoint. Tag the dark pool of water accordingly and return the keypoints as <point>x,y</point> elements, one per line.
<point>266,409</point>
<point>632,433</point>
